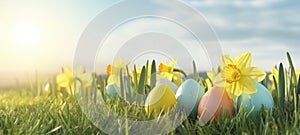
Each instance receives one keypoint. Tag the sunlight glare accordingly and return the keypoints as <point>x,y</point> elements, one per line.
<point>26,34</point>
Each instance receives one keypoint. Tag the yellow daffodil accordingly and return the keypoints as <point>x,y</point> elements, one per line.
<point>211,77</point>
<point>275,73</point>
<point>66,79</point>
<point>167,72</point>
<point>177,78</point>
<point>238,76</point>
<point>113,72</point>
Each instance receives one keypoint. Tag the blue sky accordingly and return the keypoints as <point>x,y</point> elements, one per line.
<point>268,29</point>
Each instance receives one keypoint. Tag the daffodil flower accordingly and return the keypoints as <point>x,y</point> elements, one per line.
<point>275,74</point>
<point>238,76</point>
<point>167,72</point>
<point>66,79</point>
<point>211,77</point>
<point>113,72</point>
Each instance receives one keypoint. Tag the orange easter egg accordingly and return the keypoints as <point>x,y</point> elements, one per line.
<point>212,104</point>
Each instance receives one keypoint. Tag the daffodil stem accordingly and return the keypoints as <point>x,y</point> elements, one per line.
<point>180,71</point>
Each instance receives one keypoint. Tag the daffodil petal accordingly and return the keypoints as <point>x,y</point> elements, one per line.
<point>120,63</point>
<point>271,77</point>
<point>173,63</point>
<point>110,80</point>
<point>249,85</point>
<point>167,75</point>
<point>219,81</point>
<point>275,73</point>
<point>244,60</point>
<point>68,71</point>
<point>254,73</point>
<point>238,88</point>
<point>86,79</point>
<point>210,75</point>
<point>226,59</point>
<point>62,80</point>
<point>177,79</point>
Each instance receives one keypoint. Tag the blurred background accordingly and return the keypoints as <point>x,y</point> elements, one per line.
<point>39,37</point>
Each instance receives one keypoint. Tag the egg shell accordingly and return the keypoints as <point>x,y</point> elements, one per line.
<point>188,96</point>
<point>172,85</point>
<point>112,90</point>
<point>212,103</point>
<point>160,98</point>
<point>261,98</point>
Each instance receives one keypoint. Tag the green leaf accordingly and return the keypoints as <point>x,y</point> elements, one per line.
<point>293,74</point>
<point>298,87</point>
<point>127,82</point>
<point>102,88</point>
<point>122,84</point>
<point>276,88</point>
<point>281,85</point>
<point>135,78</point>
<point>94,87</point>
<point>141,88</point>
<point>195,71</point>
<point>153,75</point>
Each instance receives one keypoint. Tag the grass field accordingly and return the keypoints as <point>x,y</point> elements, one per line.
<point>26,110</point>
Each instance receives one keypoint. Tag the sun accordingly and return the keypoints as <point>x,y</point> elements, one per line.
<point>26,34</point>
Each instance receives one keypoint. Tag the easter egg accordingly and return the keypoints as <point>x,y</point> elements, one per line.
<point>261,98</point>
<point>188,96</point>
<point>167,82</point>
<point>160,98</point>
<point>112,90</point>
<point>213,103</point>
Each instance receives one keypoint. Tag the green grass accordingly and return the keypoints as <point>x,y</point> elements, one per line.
<point>23,111</point>
<point>21,114</point>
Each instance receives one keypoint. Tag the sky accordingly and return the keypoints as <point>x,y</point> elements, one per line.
<point>43,35</point>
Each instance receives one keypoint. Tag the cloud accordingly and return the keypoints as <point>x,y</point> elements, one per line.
<point>266,28</point>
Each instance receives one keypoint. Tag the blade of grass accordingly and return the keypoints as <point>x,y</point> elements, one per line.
<point>94,87</point>
<point>298,87</point>
<point>141,88</point>
<point>276,89</point>
<point>293,77</point>
<point>135,79</point>
<point>291,66</point>
<point>195,71</point>
<point>281,86</point>
<point>122,84</point>
<point>153,75</point>
<point>102,87</point>
<point>127,82</point>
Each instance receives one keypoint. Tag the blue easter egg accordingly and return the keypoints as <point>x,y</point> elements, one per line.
<point>112,90</point>
<point>188,96</point>
<point>261,98</point>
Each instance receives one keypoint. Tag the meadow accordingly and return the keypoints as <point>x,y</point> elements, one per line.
<point>52,107</point>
